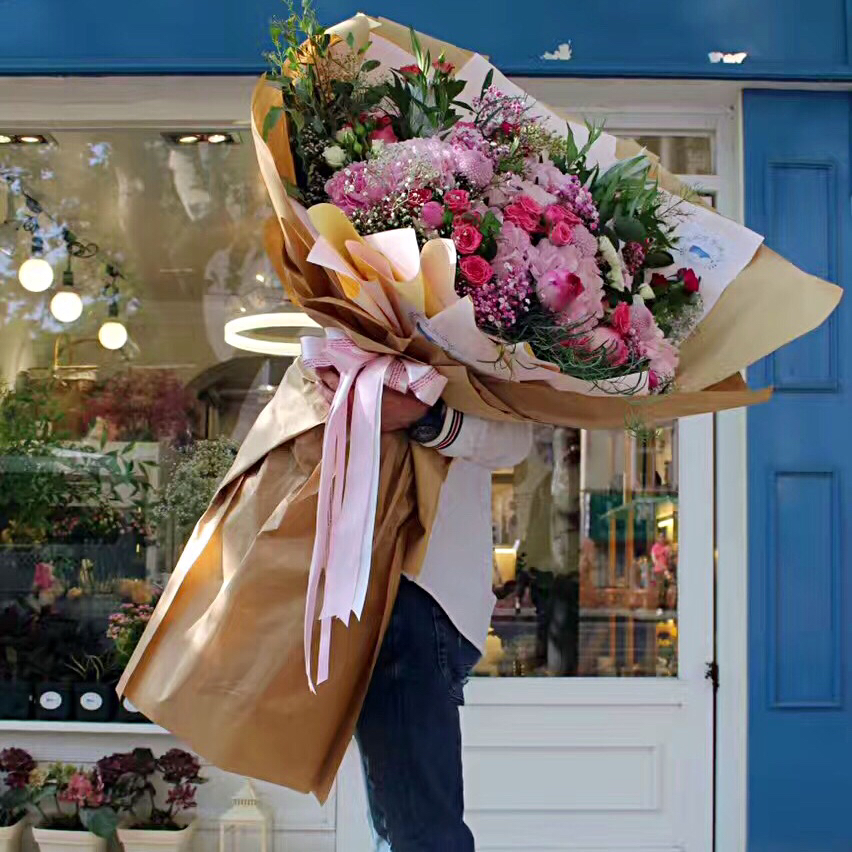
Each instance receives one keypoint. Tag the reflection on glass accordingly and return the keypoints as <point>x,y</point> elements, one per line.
<point>585,558</point>
<point>682,155</point>
<point>110,449</point>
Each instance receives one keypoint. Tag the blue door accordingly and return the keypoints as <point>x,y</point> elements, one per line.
<point>797,147</point>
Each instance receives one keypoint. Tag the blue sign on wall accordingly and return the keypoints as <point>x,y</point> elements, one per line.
<point>782,38</point>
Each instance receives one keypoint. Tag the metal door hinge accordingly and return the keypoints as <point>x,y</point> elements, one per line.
<point>711,673</point>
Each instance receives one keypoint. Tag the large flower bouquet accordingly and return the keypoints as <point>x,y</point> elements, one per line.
<point>456,239</point>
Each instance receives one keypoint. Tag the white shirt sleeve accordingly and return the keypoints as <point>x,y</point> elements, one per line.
<point>492,444</point>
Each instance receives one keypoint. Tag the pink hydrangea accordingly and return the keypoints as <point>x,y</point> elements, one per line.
<point>348,188</point>
<point>475,166</point>
<point>513,248</point>
<point>557,288</point>
<point>651,342</point>
<point>610,343</point>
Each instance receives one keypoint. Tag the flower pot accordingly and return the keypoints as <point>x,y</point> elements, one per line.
<point>53,701</point>
<point>10,837</point>
<point>55,840</point>
<point>147,840</point>
<point>93,702</point>
<point>127,712</point>
<point>15,699</point>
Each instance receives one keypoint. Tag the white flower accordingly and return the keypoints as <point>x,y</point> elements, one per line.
<point>345,134</point>
<point>376,147</point>
<point>646,292</point>
<point>335,156</point>
<point>615,276</point>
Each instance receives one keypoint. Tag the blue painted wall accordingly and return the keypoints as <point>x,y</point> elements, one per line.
<point>800,489</point>
<point>618,38</point>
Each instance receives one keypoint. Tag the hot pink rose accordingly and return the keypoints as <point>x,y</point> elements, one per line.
<point>620,319</point>
<point>384,134</point>
<point>457,200</point>
<point>443,66</point>
<point>467,238</point>
<point>653,380</point>
<point>516,214</point>
<point>529,204</point>
<point>562,233</point>
<point>554,213</point>
<point>476,270</point>
<point>432,214</point>
<point>411,69</point>
<point>610,342</point>
<point>557,288</point>
<point>43,578</point>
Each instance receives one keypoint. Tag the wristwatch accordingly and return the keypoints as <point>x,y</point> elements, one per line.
<point>429,426</point>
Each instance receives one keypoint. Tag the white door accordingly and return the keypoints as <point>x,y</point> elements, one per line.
<point>591,725</point>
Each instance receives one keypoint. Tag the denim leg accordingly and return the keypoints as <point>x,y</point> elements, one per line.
<point>409,732</point>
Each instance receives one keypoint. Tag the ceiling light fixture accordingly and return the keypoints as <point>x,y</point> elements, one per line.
<point>217,138</point>
<point>4,139</point>
<point>193,137</point>
<point>35,273</point>
<point>189,139</point>
<point>236,332</point>
<point>66,305</point>
<point>25,139</point>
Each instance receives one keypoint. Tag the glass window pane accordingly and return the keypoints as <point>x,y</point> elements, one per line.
<point>585,557</point>
<point>108,456</point>
<point>681,155</point>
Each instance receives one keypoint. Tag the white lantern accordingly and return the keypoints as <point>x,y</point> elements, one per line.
<point>247,825</point>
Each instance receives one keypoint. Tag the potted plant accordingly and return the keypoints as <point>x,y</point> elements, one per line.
<point>71,805</point>
<point>126,627</point>
<point>15,685</point>
<point>15,766</point>
<point>94,699</point>
<point>153,795</point>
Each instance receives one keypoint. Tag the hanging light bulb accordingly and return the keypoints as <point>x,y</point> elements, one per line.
<point>67,305</point>
<point>113,333</point>
<point>35,273</point>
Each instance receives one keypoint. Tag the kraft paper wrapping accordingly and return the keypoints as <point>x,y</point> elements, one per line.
<point>221,664</point>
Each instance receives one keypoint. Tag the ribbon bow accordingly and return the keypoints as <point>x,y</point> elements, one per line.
<point>348,491</point>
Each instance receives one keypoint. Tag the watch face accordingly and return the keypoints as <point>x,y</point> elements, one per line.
<point>425,433</point>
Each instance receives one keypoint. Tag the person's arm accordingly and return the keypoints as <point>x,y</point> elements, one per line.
<point>490,443</point>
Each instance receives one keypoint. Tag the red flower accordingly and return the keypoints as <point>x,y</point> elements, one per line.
<point>418,197</point>
<point>443,66</point>
<point>561,234</point>
<point>477,270</point>
<point>516,214</point>
<point>411,69</point>
<point>457,200</point>
<point>620,319</point>
<point>507,127</point>
<point>384,134</point>
<point>658,281</point>
<point>691,282</point>
<point>653,380</point>
<point>467,238</point>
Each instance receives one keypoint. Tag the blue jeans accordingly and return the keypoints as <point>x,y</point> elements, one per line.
<point>409,732</point>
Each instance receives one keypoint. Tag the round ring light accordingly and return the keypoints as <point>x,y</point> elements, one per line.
<point>236,332</point>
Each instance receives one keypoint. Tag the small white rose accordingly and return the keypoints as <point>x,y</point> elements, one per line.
<point>345,134</point>
<point>335,156</point>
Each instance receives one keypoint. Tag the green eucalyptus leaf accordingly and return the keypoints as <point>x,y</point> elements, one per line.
<point>370,65</point>
<point>658,258</point>
<point>272,118</point>
<point>629,230</point>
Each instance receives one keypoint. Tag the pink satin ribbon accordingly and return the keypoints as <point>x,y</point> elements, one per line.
<point>348,490</point>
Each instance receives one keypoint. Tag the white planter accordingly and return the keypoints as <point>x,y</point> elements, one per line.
<point>10,837</point>
<point>54,840</point>
<point>146,840</point>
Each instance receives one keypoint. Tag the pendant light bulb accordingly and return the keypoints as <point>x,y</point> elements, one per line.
<point>112,334</point>
<point>67,305</point>
<point>35,275</point>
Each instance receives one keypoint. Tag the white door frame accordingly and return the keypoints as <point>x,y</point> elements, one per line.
<point>46,102</point>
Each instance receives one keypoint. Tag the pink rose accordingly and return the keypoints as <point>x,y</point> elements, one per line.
<point>554,213</point>
<point>432,214</point>
<point>443,66</point>
<point>476,270</point>
<point>561,234</point>
<point>516,214</point>
<point>620,319</point>
<point>410,69</point>
<point>43,578</point>
<point>530,205</point>
<point>467,238</point>
<point>384,134</point>
<point>557,288</point>
<point>608,342</point>
<point>457,200</point>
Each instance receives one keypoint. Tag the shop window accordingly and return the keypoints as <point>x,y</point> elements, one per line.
<point>111,447</point>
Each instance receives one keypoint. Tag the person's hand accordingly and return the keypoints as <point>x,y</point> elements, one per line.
<point>399,410</point>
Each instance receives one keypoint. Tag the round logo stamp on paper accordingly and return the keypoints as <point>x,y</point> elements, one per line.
<point>700,249</point>
<point>129,706</point>
<point>50,700</point>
